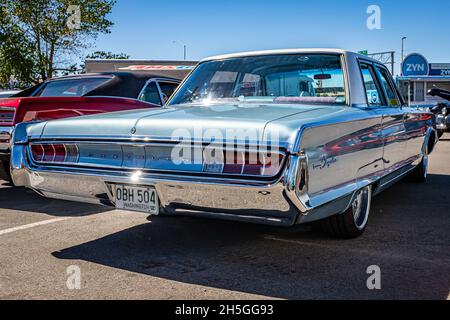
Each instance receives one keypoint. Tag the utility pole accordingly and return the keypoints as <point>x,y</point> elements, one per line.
<point>403,54</point>
<point>184,48</point>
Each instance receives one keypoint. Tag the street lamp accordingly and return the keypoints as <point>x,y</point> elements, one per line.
<point>403,55</point>
<point>403,47</point>
<point>184,48</point>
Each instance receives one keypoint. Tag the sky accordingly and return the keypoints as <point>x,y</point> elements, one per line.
<point>147,29</point>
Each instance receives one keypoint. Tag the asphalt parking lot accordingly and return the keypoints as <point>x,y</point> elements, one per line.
<point>123,255</point>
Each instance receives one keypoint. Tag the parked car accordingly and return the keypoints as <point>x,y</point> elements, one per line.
<point>73,96</point>
<point>8,93</point>
<point>244,138</point>
<point>441,110</point>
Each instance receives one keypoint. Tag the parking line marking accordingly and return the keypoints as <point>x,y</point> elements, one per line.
<point>31,225</point>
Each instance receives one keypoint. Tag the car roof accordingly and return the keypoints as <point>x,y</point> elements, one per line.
<point>136,75</point>
<point>286,51</point>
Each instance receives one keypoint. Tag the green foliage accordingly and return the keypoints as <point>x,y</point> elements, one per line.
<point>38,37</point>
<point>107,55</point>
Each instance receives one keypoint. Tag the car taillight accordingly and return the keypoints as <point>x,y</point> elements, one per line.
<point>7,115</point>
<point>60,153</point>
<point>55,153</point>
<point>247,163</point>
<point>37,151</point>
<point>49,153</point>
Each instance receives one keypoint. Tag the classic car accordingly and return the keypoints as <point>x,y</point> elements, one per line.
<point>441,110</point>
<point>275,137</point>
<point>73,96</point>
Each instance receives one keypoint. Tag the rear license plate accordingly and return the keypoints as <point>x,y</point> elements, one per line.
<point>134,198</point>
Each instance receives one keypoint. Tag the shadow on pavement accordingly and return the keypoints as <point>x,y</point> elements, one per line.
<point>405,238</point>
<point>21,199</point>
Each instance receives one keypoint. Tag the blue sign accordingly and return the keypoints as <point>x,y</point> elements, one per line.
<point>415,65</point>
<point>440,69</point>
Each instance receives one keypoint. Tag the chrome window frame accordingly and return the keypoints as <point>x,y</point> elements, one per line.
<point>145,87</point>
<point>344,61</point>
<point>158,80</point>
<point>391,82</point>
<point>377,83</point>
<point>161,96</point>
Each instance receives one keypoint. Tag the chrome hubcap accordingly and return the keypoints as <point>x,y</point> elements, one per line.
<point>425,166</point>
<point>361,207</point>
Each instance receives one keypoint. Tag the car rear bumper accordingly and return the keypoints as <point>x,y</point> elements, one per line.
<point>276,203</point>
<point>5,142</point>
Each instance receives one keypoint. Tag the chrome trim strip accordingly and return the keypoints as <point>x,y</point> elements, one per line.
<point>95,167</point>
<point>139,140</point>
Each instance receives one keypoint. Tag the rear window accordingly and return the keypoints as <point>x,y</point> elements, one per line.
<point>277,79</point>
<point>71,87</point>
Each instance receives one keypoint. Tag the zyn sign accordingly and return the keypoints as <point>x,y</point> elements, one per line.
<point>415,65</point>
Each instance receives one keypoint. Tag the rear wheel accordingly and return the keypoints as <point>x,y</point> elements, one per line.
<point>5,172</point>
<point>352,223</point>
<point>419,173</point>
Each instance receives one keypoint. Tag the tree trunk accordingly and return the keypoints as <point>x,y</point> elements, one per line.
<point>39,54</point>
<point>50,59</point>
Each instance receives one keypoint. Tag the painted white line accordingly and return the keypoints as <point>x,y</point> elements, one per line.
<point>31,225</point>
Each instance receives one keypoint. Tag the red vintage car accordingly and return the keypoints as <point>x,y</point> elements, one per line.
<point>79,95</point>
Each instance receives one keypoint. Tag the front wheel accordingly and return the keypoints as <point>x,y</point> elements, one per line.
<point>352,223</point>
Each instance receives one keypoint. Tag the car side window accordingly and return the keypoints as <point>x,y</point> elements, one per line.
<point>388,87</point>
<point>372,90</point>
<point>167,89</point>
<point>150,94</point>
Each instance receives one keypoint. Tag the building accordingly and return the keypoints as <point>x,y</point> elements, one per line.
<point>167,68</point>
<point>419,76</point>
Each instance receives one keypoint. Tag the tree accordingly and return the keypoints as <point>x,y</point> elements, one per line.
<point>50,32</point>
<point>15,53</point>
<point>107,55</point>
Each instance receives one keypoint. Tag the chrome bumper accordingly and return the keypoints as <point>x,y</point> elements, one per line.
<point>442,122</point>
<point>5,142</point>
<point>277,203</point>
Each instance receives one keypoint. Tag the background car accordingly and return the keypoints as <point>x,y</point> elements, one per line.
<point>441,110</point>
<point>79,95</point>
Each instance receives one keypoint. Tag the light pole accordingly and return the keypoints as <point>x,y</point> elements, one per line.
<point>184,48</point>
<point>403,48</point>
